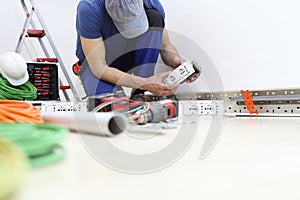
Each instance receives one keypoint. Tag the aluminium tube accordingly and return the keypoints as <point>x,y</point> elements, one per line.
<point>107,124</point>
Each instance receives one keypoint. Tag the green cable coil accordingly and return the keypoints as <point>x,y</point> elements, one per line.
<point>40,142</point>
<point>13,168</point>
<point>26,91</point>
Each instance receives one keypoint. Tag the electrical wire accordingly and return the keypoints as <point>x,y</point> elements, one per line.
<point>105,104</point>
<point>138,111</point>
<point>130,108</point>
<point>20,122</point>
<point>39,142</point>
<point>13,167</point>
<point>26,91</point>
<point>12,111</point>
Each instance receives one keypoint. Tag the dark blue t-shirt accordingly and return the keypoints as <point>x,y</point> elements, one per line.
<point>92,21</point>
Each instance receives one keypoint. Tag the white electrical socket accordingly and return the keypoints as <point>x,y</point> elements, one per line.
<point>180,74</point>
<point>201,107</point>
<point>56,106</point>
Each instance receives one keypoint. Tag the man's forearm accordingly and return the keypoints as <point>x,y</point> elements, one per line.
<point>170,56</point>
<point>118,77</point>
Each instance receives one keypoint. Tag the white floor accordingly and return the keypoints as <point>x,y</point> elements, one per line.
<point>255,158</point>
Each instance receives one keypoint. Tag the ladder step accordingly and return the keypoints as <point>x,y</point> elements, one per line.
<point>35,33</point>
<point>66,87</point>
<point>53,60</point>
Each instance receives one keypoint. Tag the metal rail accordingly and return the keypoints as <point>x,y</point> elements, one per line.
<point>273,102</point>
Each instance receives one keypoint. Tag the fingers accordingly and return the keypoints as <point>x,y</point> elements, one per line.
<point>192,79</point>
<point>181,61</point>
<point>178,61</point>
<point>166,90</point>
<point>171,88</point>
<point>155,86</point>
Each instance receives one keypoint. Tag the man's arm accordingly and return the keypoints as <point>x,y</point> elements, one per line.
<point>168,52</point>
<point>170,56</point>
<point>95,54</point>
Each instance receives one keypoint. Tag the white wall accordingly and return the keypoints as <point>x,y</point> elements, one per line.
<point>60,20</point>
<point>253,43</point>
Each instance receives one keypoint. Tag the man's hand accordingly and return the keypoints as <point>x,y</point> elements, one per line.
<point>197,74</point>
<point>192,79</point>
<point>179,61</point>
<point>171,57</point>
<point>155,86</point>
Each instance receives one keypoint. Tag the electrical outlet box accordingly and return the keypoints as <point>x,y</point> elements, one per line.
<point>180,74</point>
<point>201,107</point>
<point>57,106</point>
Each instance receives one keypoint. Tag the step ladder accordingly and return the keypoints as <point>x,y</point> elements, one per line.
<point>34,32</point>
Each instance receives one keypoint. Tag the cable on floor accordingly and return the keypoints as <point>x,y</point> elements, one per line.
<point>132,109</point>
<point>21,123</point>
<point>40,142</point>
<point>13,168</point>
<point>18,111</point>
<point>26,91</point>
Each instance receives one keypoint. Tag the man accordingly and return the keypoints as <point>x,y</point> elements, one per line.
<point>119,42</point>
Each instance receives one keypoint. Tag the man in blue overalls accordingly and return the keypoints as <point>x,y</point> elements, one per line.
<point>119,42</point>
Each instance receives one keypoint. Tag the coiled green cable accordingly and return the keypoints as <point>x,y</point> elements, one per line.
<point>40,142</point>
<point>26,91</point>
<point>13,167</point>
